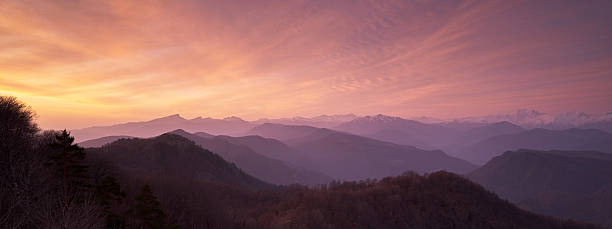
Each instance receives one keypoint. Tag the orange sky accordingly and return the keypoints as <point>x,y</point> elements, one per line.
<point>83,63</point>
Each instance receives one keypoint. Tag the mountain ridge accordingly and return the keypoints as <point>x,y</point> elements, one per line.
<point>568,184</point>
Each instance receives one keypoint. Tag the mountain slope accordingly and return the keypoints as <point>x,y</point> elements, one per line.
<point>231,125</point>
<point>353,157</point>
<point>172,155</point>
<point>540,139</point>
<point>554,183</point>
<point>268,147</point>
<point>265,168</point>
<point>400,137</point>
<point>282,132</point>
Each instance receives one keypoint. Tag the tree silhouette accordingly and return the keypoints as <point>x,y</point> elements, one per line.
<point>67,158</point>
<point>19,167</point>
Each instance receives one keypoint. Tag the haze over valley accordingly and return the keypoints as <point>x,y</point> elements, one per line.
<point>305,114</point>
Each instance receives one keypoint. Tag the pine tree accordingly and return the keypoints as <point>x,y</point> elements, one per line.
<point>148,210</point>
<point>67,157</point>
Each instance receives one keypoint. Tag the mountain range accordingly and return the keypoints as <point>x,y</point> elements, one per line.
<point>534,119</point>
<point>236,126</point>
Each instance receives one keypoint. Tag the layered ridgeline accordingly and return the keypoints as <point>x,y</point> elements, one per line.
<point>352,157</point>
<point>168,182</point>
<point>172,155</point>
<point>269,147</point>
<point>238,151</point>
<point>568,184</point>
<point>539,139</point>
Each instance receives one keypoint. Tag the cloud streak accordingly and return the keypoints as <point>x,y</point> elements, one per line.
<point>85,62</point>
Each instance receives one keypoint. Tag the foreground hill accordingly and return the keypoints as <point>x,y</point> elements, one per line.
<point>439,200</point>
<point>540,139</point>
<point>260,166</point>
<point>231,125</point>
<point>172,155</point>
<point>353,157</point>
<point>570,184</point>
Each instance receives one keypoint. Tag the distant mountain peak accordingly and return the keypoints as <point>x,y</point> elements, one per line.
<point>174,117</point>
<point>233,118</point>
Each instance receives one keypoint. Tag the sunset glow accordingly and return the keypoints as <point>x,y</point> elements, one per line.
<point>84,63</point>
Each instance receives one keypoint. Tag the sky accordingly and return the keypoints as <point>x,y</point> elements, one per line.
<point>81,63</point>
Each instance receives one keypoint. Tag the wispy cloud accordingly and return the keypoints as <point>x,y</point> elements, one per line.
<point>79,62</point>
